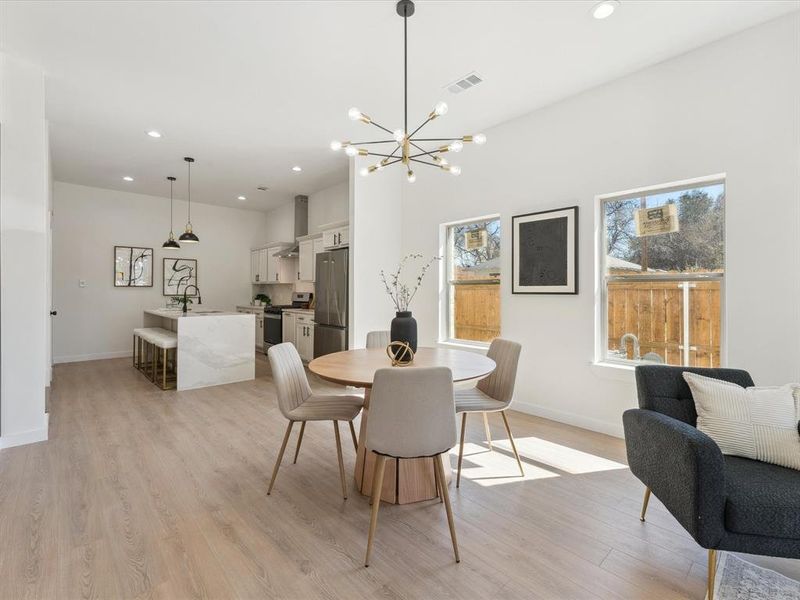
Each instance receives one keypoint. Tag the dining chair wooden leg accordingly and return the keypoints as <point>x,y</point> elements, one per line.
<point>446,496</point>
<point>341,460</point>
<point>488,431</point>
<point>377,486</point>
<point>353,435</point>
<point>436,481</point>
<point>461,448</point>
<point>712,573</point>
<point>299,441</point>
<point>513,445</point>
<point>280,456</point>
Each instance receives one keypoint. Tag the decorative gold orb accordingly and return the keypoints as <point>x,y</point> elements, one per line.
<point>400,353</point>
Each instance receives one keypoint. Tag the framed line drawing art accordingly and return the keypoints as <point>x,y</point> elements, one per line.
<point>133,266</point>
<point>179,273</point>
<point>544,256</point>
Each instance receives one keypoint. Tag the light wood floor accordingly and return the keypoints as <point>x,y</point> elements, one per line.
<point>141,493</point>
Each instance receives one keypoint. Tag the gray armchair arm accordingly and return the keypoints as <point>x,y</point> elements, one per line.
<point>683,467</point>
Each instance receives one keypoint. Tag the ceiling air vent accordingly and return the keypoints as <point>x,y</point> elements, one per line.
<point>466,82</point>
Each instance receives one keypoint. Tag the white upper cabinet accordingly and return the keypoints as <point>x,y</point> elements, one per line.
<point>265,265</point>
<point>254,264</point>
<point>305,271</point>
<point>336,237</point>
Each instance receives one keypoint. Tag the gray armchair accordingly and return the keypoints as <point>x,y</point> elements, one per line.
<point>724,502</point>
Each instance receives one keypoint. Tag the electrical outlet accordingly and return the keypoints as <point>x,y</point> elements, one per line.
<point>82,283</point>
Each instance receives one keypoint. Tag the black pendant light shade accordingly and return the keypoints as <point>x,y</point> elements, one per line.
<point>188,235</point>
<point>171,244</point>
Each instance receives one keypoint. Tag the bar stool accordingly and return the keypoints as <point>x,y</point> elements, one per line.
<point>141,347</point>
<point>162,342</point>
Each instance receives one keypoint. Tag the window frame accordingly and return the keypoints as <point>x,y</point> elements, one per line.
<point>602,280</point>
<point>446,316</point>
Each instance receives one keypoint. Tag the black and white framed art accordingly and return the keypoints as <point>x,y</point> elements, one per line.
<point>545,252</point>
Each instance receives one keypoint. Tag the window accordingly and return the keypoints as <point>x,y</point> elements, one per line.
<point>663,264</point>
<point>473,280</point>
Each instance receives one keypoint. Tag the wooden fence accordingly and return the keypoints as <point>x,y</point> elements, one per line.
<point>653,312</point>
<point>476,312</point>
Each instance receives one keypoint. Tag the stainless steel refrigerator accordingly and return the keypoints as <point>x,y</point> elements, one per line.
<point>330,294</point>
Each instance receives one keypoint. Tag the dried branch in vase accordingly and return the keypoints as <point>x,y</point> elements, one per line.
<point>400,293</point>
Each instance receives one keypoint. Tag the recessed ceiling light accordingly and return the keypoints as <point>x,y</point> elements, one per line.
<point>154,134</point>
<point>603,10</point>
<point>242,198</point>
<point>262,188</point>
<point>297,168</point>
<point>127,178</point>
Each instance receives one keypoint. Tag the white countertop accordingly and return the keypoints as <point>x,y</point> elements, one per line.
<point>251,307</point>
<point>172,313</point>
<point>301,311</point>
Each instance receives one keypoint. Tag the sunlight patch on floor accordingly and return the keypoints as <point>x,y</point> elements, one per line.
<point>495,468</point>
<point>558,456</point>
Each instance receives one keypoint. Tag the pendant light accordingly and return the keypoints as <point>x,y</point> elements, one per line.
<point>188,236</point>
<point>409,149</point>
<point>171,244</point>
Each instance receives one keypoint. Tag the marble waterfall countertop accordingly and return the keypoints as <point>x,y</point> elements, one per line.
<point>214,346</point>
<point>176,313</point>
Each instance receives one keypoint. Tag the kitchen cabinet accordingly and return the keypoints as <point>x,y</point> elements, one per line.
<point>305,270</point>
<point>304,337</point>
<point>337,237</point>
<point>254,265</point>
<point>260,331</point>
<point>265,265</point>
<point>289,327</point>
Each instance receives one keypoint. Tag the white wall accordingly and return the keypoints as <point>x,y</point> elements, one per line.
<point>729,107</point>
<point>23,253</point>
<point>278,225</point>
<point>330,205</point>
<point>96,321</point>
<point>375,243</point>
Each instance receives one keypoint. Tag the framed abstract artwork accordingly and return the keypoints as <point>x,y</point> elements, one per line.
<point>178,274</point>
<point>133,266</point>
<point>544,256</point>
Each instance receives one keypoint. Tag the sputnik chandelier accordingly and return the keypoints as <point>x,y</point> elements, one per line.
<point>406,144</point>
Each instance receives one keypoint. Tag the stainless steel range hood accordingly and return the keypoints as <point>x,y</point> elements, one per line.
<point>300,227</point>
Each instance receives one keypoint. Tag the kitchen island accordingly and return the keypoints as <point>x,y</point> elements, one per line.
<point>214,346</point>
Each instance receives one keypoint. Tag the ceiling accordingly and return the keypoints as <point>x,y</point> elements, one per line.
<point>251,89</point>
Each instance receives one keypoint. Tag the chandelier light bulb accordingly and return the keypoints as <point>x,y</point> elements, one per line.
<point>455,170</point>
<point>336,145</point>
<point>456,146</point>
<point>440,109</point>
<point>411,177</point>
<point>479,139</point>
<point>399,136</point>
<point>354,114</point>
<point>364,171</point>
<point>351,151</point>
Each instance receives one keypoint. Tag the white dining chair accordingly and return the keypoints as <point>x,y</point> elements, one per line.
<point>411,415</point>
<point>378,339</point>
<point>299,404</point>
<point>492,394</point>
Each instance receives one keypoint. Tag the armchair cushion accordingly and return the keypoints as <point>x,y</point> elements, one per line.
<point>762,499</point>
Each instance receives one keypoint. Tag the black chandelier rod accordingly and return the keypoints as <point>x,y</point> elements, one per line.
<point>453,139</point>
<point>405,69</point>
<point>424,162</point>
<point>365,143</point>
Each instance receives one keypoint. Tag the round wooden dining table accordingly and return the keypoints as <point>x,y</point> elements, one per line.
<point>409,479</point>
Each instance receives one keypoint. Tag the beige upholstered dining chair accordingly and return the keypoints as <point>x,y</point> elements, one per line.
<point>378,339</point>
<point>411,415</point>
<point>492,394</point>
<point>298,404</point>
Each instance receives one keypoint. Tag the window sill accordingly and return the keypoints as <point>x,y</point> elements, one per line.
<point>614,370</point>
<point>457,345</point>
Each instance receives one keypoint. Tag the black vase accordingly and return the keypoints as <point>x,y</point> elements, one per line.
<point>404,329</point>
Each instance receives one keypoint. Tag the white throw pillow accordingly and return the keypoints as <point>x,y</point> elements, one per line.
<point>755,422</point>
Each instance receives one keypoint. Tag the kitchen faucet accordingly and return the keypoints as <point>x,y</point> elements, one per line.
<point>637,353</point>
<point>199,298</point>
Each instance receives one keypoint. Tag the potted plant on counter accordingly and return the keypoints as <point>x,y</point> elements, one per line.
<point>261,300</point>
<point>404,325</point>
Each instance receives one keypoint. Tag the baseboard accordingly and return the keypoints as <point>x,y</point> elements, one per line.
<point>85,357</point>
<point>614,429</point>
<point>26,437</point>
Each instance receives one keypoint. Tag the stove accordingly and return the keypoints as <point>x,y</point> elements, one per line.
<point>273,317</point>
